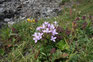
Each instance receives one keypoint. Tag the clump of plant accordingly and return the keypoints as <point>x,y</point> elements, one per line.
<point>46,31</point>
<point>51,37</point>
<point>12,36</point>
<point>81,36</point>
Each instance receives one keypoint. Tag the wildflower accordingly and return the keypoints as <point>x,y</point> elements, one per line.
<point>38,28</point>
<point>67,31</point>
<point>33,20</point>
<point>84,17</point>
<point>41,27</point>
<point>28,20</point>
<point>46,23</point>
<point>49,25</point>
<point>35,40</point>
<point>52,27</point>
<point>74,24</point>
<point>90,17</point>
<point>84,25</point>
<point>13,30</point>
<point>54,32</point>
<point>46,30</point>
<point>53,38</point>
<point>55,23</point>
<point>37,36</point>
<point>77,19</point>
<point>36,20</point>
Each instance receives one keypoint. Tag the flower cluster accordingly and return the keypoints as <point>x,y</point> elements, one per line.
<point>46,28</point>
<point>31,20</point>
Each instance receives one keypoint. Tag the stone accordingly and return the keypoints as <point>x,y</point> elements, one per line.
<point>10,24</point>
<point>1,1</point>
<point>7,19</point>
<point>1,10</point>
<point>27,8</point>
<point>22,9</point>
<point>1,24</point>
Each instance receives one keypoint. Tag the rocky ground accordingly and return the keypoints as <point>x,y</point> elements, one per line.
<point>11,10</point>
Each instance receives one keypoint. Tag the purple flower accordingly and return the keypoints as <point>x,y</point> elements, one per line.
<point>77,19</point>
<point>52,27</point>
<point>53,38</point>
<point>55,23</point>
<point>54,32</point>
<point>45,23</point>
<point>14,30</point>
<point>46,30</point>
<point>90,17</point>
<point>37,36</point>
<point>36,20</point>
<point>83,17</point>
<point>35,40</point>
<point>38,28</point>
<point>41,27</point>
<point>49,25</point>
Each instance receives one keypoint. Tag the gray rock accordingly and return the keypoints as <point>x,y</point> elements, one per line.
<point>22,9</point>
<point>1,24</point>
<point>1,10</point>
<point>27,8</point>
<point>1,1</point>
<point>7,19</point>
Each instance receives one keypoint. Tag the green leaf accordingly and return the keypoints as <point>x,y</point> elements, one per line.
<point>2,52</point>
<point>62,45</point>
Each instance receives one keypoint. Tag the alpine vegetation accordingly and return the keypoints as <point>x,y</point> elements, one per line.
<point>46,31</point>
